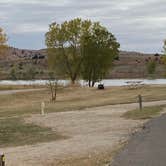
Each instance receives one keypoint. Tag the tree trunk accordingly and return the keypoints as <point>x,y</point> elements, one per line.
<point>93,83</point>
<point>55,92</point>
<point>52,93</point>
<point>89,83</point>
<point>90,78</point>
<point>73,81</point>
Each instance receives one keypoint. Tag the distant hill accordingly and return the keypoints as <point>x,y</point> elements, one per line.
<point>127,64</point>
<point>134,65</point>
<point>17,54</point>
<point>21,62</point>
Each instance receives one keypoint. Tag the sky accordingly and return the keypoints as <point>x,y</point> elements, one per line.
<point>138,25</point>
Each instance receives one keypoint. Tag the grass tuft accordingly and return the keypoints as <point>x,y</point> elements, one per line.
<point>15,132</point>
<point>145,113</point>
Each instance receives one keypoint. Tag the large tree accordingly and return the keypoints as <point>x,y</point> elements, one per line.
<point>81,48</point>
<point>100,48</point>
<point>64,47</point>
<point>3,42</point>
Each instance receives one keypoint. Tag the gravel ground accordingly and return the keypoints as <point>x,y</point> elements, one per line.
<point>91,131</point>
<point>7,92</point>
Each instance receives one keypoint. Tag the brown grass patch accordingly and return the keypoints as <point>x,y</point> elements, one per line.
<point>75,98</point>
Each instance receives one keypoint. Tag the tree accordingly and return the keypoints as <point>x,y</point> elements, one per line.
<point>100,49</point>
<point>151,67</point>
<point>30,72</point>
<point>13,73</point>
<point>164,47</point>
<point>53,86</point>
<point>81,48</point>
<point>163,58</point>
<point>64,47</point>
<point>3,42</point>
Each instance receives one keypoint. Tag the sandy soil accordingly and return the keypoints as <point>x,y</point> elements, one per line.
<point>91,131</point>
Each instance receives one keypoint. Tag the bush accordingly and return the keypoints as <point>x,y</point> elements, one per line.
<point>151,67</point>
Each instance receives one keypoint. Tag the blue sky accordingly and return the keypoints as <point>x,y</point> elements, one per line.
<point>138,25</point>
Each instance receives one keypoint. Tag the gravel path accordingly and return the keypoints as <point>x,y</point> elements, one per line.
<point>147,148</point>
<point>7,92</point>
<point>94,130</point>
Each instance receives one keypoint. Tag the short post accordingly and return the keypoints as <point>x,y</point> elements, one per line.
<point>2,160</point>
<point>43,108</point>
<point>140,101</point>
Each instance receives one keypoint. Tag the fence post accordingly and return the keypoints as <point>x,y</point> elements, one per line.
<point>43,108</point>
<point>140,101</point>
<point>2,160</point>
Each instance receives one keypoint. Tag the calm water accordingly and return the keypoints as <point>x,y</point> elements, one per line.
<point>108,82</point>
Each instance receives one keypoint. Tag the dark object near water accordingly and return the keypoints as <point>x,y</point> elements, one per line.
<point>41,57</point>
<point>117,58</point>
<point>38,56</point>
<point>101,86</point>
<point>156,54</point>
<point>35,57</point>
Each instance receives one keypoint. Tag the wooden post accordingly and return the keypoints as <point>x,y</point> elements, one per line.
<point>42,108</point>
<point>140,101</point>
<point>2,160</point>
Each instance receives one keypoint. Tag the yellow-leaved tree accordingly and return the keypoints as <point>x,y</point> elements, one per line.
<point>3,43</point>
<point>164,55</point>
<point>164,51</point>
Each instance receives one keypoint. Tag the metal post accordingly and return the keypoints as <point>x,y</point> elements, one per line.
<point>140,101</point>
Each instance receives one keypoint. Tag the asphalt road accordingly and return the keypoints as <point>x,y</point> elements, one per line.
<point>147,148</point>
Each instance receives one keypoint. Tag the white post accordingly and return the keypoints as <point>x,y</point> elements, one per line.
<point>42,108</point>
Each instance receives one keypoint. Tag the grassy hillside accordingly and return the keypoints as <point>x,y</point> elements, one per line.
<point>25,63</point>
<point>134,65</point>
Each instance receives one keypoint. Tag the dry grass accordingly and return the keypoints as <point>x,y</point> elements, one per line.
<point>17,87</point>
<point>14,132</point>
<point>92,159</point>
<point>75,99</point>
<point>21,104</point>
<point>145,113</point>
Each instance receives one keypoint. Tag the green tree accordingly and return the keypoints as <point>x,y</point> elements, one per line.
<point>79,47</point>
<point>16,73</point>
<point>100,49</point>
<point>65,52</point>
<point>13,73</point>
<point>151,67</point>
<point>164,51</point>
<point>30,72</point>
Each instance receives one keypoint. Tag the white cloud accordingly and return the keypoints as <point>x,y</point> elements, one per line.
<point>3,15</point>
<point>29,28</point>
<point>132,21</point>
<point>42,2</point>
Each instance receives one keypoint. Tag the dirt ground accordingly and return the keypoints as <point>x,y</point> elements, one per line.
<point>92,137</point>
<point>7,92</point>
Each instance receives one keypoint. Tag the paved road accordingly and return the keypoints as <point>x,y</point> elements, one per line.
<point>147,148</point>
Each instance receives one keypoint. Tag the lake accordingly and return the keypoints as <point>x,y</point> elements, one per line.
<point>108,82</point>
